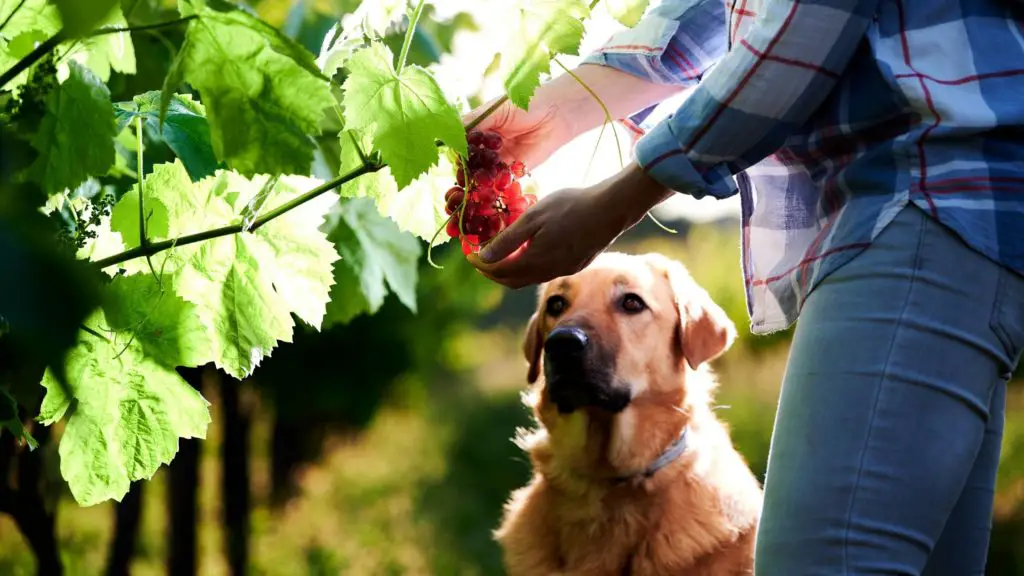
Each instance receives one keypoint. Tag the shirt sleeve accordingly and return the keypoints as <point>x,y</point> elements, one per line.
<point>770,83</point>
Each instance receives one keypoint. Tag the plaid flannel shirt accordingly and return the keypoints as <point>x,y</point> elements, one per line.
<point>828,117</point>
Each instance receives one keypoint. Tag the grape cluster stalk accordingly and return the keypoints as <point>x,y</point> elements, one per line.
<point>487,197</point>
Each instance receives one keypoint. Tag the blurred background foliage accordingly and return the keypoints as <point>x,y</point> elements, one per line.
<point>383,446</point>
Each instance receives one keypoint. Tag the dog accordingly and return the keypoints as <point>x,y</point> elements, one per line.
<point>633,472</point>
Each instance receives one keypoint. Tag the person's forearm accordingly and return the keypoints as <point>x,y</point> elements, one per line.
<point>623,94</point>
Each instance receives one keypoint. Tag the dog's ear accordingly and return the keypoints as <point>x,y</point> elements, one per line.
<point>532,347</point>
<point>705,331</point>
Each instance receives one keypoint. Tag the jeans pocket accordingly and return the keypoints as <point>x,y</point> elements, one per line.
<point>1007,320</point>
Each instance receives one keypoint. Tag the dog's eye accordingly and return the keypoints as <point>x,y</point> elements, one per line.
<point>633,304</point>
<point>556,305</point>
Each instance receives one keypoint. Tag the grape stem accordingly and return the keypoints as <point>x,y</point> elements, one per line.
<point>52,42</point>
<point>608,120</point>
<point>407,42</point>
<point>490,110</point>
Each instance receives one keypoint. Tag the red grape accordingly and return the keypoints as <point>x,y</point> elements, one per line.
<point>517,204</point>
<point>488,197</point>
<point>483,178</point>
<point>518,169</point>
<point>492,141</point>
<point>503,179</point>
<point>452,228</point>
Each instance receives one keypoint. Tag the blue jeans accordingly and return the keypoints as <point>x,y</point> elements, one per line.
<point>887,437</point>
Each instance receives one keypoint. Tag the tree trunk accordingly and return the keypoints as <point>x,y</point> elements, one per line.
<point>285,440</point>
<point>127,515</point>
<point>25,502</point>
<point>182,505</point>
<point>235,476</point>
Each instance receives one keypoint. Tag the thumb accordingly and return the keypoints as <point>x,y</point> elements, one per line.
<point>509,240</point>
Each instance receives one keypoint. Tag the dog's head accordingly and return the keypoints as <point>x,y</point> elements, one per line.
<point>624,327</point>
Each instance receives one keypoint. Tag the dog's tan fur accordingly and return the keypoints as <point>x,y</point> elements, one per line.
<point>697,515</point>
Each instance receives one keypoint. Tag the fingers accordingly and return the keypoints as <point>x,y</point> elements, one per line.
<point>510,239</point>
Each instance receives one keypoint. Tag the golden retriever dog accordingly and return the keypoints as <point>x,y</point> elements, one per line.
<point>633,473</point>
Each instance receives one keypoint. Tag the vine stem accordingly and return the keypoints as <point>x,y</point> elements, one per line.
<point>52,42</point>
<point>144,27</point>
<point>156,247</point>
<point>490,110</point>
<point>143,240</point>
<point>407,42</point>
<point>608,120</point>
<point>31,58</point>
<point>11,15</point>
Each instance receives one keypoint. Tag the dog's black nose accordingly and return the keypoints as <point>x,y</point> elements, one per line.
<point>566,342</point>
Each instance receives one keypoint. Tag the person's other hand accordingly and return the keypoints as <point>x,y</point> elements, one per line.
<point>529,136</point>
<point>561,109</point>
<point>567,229</point>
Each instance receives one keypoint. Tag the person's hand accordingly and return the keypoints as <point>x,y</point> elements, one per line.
<point>567,229</point>
<point>562,109</point>
<point>529,136</point>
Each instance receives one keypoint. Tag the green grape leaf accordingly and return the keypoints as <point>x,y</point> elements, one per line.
<point>33,22</point>
<point>403,113</point>
<point>76,136</point>
<point>419,207</point>
<point>244,286</point>
<point>337,47</point>
<point>82,16</point>
<point>184,129</point>
<point>375,185</point>
<point>263,93</point>
<point>375,257</point>
<point>124,416</point>
<point>28,16</point>
<point>164,326</point>
<point>544,29</point>
<point>627,12</point>
<point>101,53</point>
<point>11,420</point>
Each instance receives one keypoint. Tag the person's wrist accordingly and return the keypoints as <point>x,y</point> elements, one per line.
<point>631,193</point>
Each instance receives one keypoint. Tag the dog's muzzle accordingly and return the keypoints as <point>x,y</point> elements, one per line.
<point>579,373</point>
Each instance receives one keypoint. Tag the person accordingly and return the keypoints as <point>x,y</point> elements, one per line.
<point>878,150</point>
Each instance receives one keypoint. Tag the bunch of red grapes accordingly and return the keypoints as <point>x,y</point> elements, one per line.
<point>490,199</point>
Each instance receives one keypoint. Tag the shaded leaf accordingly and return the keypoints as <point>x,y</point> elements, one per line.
<point>76,136</point>
<point>263,93</point>
<point>376,257</point>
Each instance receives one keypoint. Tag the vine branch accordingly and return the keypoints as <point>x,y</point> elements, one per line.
<point>143,27</point>
<point>52,42</point>
<point>152,248</point>
<point>407,42</point>
<point>31,58</point>
<point>11,15</point>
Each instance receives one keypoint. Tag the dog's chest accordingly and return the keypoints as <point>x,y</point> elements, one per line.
<point>639,540</point>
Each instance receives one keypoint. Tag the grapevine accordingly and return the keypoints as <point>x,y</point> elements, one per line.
<point>223,241</point>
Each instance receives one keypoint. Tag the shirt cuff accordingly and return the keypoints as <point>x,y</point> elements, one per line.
<point>662,158</point>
